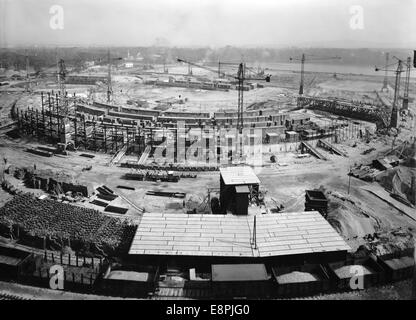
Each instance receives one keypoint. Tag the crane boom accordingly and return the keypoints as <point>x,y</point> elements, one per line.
<point>394,112</point>
<point>196,65</point>
<point>302,60</point>
<point>241,77</point>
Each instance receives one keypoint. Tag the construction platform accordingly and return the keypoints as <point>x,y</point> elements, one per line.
<point>300,235</point>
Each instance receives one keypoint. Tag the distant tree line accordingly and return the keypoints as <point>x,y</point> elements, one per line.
<point>46,57</point>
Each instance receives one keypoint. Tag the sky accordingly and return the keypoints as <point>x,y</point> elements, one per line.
<point>214,23</point>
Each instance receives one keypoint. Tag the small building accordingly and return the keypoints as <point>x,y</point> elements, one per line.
<point>292,136</point>
<point>272,138</point>
<point>315,200</point>
<point>130,281</point>
<point>238,184</point>
<point>12,261</point>
<point>296,119</point>
<point>207,239</point>
<point>309,132</point>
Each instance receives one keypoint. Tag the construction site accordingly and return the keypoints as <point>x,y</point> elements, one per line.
<point>203,180</point>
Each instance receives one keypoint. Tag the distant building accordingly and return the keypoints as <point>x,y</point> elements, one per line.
<point>85,79</point>
<point>139,56</point>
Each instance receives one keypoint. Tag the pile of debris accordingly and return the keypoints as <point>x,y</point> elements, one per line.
<point>364,172</point>
<point>10,188</point>
<point>49,181</point>
<point>153,175</point>
<point>389,244</point>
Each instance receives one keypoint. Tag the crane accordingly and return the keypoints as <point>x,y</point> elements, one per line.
<point>109,85</point>
<point>414,58</point>
<point>302,60</point>
<point>406,85</point>
<point>222,74</point>
<point>240,77</point>
<point>63,106</point>
<point>27,74</point>
<point>398,71</point>
<point>28,83</point>
<point>190,64</point>
<point>385,80</point>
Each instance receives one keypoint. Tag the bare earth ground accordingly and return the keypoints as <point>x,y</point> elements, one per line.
<point>359,214</point>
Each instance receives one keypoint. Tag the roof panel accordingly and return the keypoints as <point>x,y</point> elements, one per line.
<point>239,175</point>
<point>228,235</point>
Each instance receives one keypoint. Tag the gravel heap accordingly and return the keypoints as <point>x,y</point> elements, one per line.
<point>347,271</point>
<point>296,277</point>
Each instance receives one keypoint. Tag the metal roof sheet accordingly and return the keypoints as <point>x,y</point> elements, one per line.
<point>280,234</point>
<point>239,175</point>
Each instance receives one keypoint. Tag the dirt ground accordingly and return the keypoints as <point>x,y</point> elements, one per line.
<point>361,214</point>
<point>354,212</point>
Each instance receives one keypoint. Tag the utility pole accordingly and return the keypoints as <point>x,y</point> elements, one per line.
<point>349,180</point>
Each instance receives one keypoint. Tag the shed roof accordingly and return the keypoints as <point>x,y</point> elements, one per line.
<point>239,175</point>
<point>280,234</point>
<point>128,276</point>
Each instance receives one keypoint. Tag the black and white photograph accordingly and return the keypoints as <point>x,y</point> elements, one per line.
<point>207,155</point>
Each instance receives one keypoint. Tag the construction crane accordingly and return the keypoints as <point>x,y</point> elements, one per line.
<point>190,64</point>
<point>302,60</point>
<point>109,85</point>
<point>385,80</point>
<point>240,77</point>
<point>27,74</point>
<point>398,71</point>
<point>63,103</point>
<point>414,58</point>
<point>28,86</point>
<point>222,74</point>
<point>406,85</point>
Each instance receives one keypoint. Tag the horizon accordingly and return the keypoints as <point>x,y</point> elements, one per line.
<point>209,23</point>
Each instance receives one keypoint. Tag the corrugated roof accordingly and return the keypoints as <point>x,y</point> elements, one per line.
<point>280,234</point>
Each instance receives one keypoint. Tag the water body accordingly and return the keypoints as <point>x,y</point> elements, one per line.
<point>331,68</point>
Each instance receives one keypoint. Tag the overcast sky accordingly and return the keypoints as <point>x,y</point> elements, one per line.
<point>209,23</point>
